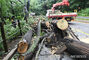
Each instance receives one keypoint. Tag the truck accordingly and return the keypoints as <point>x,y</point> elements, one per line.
<point>57,14</point>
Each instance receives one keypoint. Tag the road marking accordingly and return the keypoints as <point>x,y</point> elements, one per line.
<point>78,30</point>
<point>83,39</point>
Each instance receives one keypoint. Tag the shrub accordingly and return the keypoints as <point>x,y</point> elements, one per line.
<point>84,12</point>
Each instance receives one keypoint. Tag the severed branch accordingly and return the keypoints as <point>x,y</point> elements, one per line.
<point>72,33</point>
<point>31,50</point>
<point>22,45</point>
<point>40,47</point>
<point>10,54</point>
<point>25,43</point>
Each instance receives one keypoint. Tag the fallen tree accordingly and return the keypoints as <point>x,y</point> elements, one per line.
<point>21,47</point>
<point>77,48</point>
<point>28,46</point>
<point>61,24</point>
<point>25,43</point>
<point>28,55</point>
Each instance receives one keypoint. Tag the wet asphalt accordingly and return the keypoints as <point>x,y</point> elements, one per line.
<point>81,30</point>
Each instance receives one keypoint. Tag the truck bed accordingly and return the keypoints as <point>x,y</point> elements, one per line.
<point>62,15</point>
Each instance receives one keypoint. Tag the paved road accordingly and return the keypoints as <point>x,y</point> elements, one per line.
<point>83,17</point>
<point>81,30</point>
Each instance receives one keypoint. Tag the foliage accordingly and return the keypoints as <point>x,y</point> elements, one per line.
<point>17,8</point>
<point>37,6</point>
<point>40,6</point>
<point>9,8</point>
<point>4,7</point>
<point>11,32</point>
<point>84,12</point>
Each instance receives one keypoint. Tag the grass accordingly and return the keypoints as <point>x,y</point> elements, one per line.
<point>84,12</point>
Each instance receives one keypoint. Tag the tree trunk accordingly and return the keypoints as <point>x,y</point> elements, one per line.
<point>28,5</point>
<point>25,43</point>
<point>77,47</point>
<point>19,27</point>
<point>3,37</point>
<point>35,43</point>
<point>72,33</point>
<point>61,24</point>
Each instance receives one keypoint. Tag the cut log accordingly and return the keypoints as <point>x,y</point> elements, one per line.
<point>25,43</point>
<point>62,24</point>
<point>28,55</point>
<point>28,37</point>
<point>22,47</point>
<point>46,24</point>
<point>77,47</point>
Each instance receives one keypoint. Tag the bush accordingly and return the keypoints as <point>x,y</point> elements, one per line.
<point>84,12</point>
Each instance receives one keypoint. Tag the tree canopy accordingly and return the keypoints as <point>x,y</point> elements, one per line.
<point>15,7</point>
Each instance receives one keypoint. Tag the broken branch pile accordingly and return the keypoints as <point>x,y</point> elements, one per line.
<point>55,37</point>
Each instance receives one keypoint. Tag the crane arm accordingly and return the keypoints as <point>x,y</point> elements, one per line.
<point>64,2</point>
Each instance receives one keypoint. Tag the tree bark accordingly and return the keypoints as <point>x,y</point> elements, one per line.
<point>72,33</point>
<point>3,37</point>
<point>28,5</point>
<point>25,43</point>
<point>77,47</point>
<point>61,24</point>
<point>29,53</point>
<point>19,27</point>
